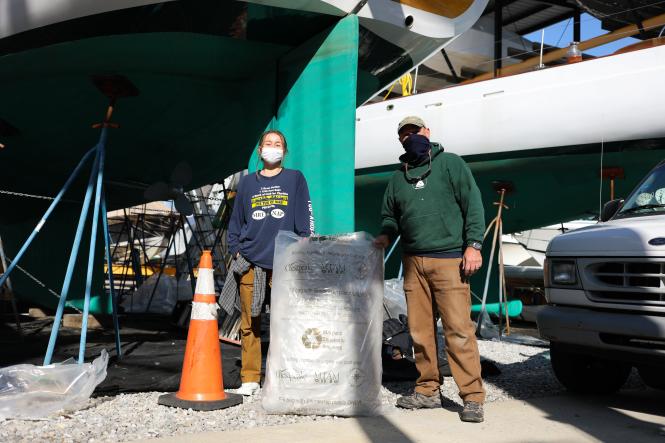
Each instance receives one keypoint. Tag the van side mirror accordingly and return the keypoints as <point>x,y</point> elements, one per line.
<point>610,208</point>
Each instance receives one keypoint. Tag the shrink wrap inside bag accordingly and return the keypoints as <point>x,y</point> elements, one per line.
<point>325,326</point>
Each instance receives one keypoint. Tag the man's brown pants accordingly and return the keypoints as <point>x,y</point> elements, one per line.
<point>436,283</point>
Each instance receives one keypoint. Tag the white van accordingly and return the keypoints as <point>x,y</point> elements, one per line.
<point>605,287</point>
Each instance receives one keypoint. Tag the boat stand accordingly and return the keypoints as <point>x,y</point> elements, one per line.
<point>502,189</point>
<point>113,87</point>
<point>7,293</point>
<point>94,182</point>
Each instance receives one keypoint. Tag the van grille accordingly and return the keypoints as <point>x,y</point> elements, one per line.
<point>627,281</point>
<point>629,275</point>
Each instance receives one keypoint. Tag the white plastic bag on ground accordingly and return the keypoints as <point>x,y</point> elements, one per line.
<point>325,326</point>
<point>29,391</point>
<point>394,299</point>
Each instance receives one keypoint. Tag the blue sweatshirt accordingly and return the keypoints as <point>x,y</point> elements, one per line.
<point>264,206</point>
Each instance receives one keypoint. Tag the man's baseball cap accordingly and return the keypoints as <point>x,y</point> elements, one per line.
<point>411,120</point>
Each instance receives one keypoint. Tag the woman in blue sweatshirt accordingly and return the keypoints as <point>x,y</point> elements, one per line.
<point>272,199</point>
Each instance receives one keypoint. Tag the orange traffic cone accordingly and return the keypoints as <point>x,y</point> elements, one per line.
<point>201,383</point>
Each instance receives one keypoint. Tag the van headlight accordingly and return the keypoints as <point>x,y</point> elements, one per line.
<point>562,272</point>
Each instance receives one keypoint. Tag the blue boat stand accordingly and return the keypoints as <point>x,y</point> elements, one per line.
<point>94,182</point>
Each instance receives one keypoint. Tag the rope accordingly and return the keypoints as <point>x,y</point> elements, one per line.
<point>46,197</point>
<point>35,196</point>
<point>23,194</point>
<point>564,31</point>
<point>40,283</point>
<point>406,82</point>
<point>600,192</point>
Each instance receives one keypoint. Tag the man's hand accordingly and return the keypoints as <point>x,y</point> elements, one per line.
<point>471,261</point>
<point>382,241</point>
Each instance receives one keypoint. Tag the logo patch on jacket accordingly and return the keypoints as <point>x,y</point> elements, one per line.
<point>420,184</point>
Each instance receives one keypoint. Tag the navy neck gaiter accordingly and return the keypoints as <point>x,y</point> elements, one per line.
<point>417,148</point>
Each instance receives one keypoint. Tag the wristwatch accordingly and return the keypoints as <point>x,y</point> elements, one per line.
<point>476,245</point>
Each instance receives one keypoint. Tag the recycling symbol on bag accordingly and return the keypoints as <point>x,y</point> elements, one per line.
<point>312,338</point>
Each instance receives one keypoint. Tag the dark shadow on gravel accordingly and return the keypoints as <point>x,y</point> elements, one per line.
<point>533,382</point>
<point>590,414</point>
<point>540,389</point>
<point>381,429</point>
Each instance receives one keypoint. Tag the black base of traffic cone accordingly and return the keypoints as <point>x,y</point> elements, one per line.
<point>173,401</point>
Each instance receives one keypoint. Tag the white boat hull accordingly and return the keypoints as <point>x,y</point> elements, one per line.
<point>608,99</point>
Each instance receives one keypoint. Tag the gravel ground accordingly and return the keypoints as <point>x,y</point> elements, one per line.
<point>525,373</point>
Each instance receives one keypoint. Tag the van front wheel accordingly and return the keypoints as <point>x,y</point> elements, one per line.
<point>586,374</point>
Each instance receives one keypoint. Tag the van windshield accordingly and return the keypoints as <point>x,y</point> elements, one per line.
<point>648,198</point>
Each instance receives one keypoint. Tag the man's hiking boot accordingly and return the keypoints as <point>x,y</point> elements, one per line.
<point>472,412</point>
<point>419,401</point>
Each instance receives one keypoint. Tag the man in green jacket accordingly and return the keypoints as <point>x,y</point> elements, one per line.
<point>434,204</point>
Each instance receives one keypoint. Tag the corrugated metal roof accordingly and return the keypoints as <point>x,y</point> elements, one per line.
<point>525,16</point>
<point>615,14</point>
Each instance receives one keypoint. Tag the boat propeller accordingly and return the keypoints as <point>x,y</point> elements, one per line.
<point>174,190</point>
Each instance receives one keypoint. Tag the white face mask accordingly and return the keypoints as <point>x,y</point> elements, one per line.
<point>272,155</point>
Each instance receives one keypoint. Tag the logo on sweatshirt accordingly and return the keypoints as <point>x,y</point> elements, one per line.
<point>419,184</point>
<point>277,213</point>
<point>258,215</point>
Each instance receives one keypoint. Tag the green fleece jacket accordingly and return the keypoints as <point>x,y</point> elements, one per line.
<point>442,214</point>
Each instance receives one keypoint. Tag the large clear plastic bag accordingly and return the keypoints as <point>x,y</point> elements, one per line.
<point>325,326</point>
<point>29,391</point>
